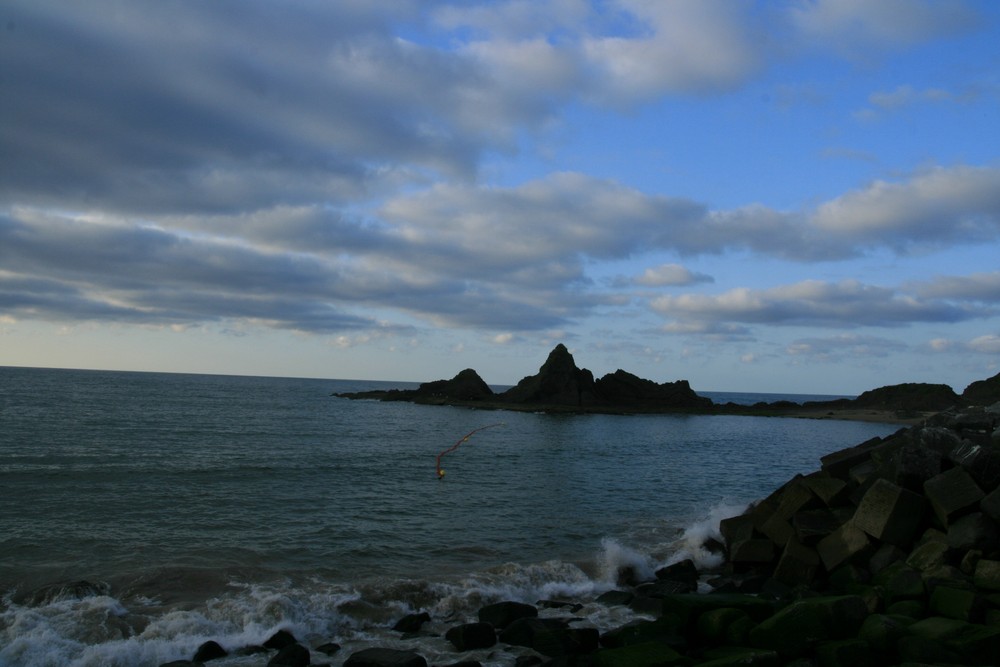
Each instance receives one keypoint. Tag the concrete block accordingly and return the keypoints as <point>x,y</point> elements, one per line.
<point>900,581</point>
<point>958,603</point>
<point>796,497</point>
<point>951,494</point>
<point>830,490</point>
<point>886,555</point>
<point>929,556</point>
<point>890,513</point>
<point>736,529</point>
<point>843,545</point>
<point>757,550</point>
<point>778,530</point>
<point>797,564</point>
<point>983,463</point>
<point>911,466</point>
<point>811,526</point>
<point>987,575</point>
<point>973,531</point>
<point>839,464</point>
<point>990,504</point>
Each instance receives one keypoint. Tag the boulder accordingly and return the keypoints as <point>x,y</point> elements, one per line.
<point>502,614</point>
<point>293,655</point>
<point>280,640</point>
<point>412,622</point>
<point>210,650</point>
<point>549,637</point>
<point>471,636</point>
<point>385,657</point>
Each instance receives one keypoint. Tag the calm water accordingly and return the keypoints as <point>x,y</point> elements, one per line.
<point>216,507</point>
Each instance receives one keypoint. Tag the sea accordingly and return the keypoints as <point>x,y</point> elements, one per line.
<point>143,514</point>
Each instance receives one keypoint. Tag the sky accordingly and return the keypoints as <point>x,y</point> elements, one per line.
<point>798,196</point>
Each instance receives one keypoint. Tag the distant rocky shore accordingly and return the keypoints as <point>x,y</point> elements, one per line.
<point>560,386</point>
<point>889,554</point>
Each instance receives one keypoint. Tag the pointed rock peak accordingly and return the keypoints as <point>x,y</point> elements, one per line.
<point>559,357</point>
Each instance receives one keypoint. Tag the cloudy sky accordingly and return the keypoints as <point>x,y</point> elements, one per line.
<point>788,196</point>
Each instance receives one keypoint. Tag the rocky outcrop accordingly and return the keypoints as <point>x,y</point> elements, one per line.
<point>622,388</point>
<point>558,385</point>
<point>982,392</point>
<point>921,397</point>
<point>558,382</point>
<point>466,386</point>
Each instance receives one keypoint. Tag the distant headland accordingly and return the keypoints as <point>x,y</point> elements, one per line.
<point>560,386</point>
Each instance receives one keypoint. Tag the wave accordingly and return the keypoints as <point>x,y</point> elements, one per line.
<point>82,625</point>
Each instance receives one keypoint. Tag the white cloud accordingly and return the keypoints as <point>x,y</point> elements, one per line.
<point>857,27</point>
<point>670,275</point>
<point>688,46</point>
<point>846,304</point>
<point>940,205</point>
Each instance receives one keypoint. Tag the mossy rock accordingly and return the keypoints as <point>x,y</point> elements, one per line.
<point>712,626</point>
<point>666,630</point>
<point>648,654</point>
<point>807,622</point>
<point>739,656</point>
<point>975,644</point>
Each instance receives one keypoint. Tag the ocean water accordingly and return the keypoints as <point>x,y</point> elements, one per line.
<point>201,507</point>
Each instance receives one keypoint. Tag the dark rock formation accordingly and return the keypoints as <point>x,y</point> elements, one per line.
<point>210,650</point>
<point>558,385</point>
<point>982,392</point>
<point>921,397</point>
<point>502,614</point>
<point>385,657</point>
<point>293,655</point>
<point>558,382</point>
<point>280,640</point>
<point>471,636</point>
<point>466,386</point>
<point>622,388</point>
<point>412,622</point>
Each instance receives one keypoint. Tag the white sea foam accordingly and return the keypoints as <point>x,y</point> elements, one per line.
<point>696,534</point>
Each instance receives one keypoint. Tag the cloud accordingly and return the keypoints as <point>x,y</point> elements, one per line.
<point>978,287</point>
<point>670,275</point>
<point>855,28</point>
<point>698,46</point>
<point>846,304</point>
<point>987,344</point>
<point>938,206</point>
<point>844,346</point>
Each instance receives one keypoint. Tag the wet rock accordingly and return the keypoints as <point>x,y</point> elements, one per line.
<point>803,624</point>
<point>471,636</point>
<point>502,614</point>
<point>293,655</point>
<point>280,640</point>
<point>549,637</point>
<point>330,648</point>
<point>412,622</point>
<point>385,657</point>
<point>210,650</point>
